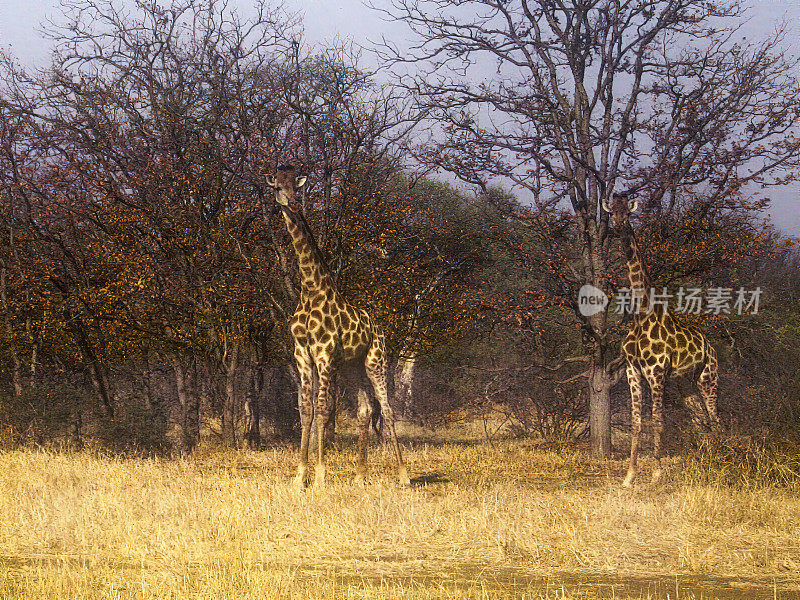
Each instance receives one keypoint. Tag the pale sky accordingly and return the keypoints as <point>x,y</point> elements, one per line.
<point>20,22</point>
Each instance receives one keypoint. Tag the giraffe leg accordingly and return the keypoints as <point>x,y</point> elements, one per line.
<point>376,371</point>
<point>364,419</point>
<point>707,384</point>
<point>695,406</point>
<point>635,383</point>
<point>656,381</point>
<point>322,413</point>
<point>306,405</point>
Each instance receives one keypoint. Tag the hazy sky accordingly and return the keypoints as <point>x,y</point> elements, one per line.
<point>351,19</point>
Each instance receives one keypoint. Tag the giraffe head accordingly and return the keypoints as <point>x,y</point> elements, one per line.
<point>620,209</point>
<point>286,185</point>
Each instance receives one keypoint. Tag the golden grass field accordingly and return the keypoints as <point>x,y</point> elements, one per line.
<point>513,521</point>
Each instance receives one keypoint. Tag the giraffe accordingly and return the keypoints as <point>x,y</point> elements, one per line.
<point>328,333</point>
<point>657,346</point>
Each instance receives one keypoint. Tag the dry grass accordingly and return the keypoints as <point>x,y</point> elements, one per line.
<point>507,522</point>
<point>743,463</point>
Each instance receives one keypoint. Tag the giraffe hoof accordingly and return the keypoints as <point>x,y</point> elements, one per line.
<point>299,480</point>
<point>319,479</point>
<point>403,478</point>
<point>656,477</point>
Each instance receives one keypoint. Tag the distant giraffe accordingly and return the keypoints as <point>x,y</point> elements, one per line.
<point>657,346</point>
<point>328,331</point>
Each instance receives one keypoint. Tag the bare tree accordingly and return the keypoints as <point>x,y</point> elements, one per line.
<point>572,99</point>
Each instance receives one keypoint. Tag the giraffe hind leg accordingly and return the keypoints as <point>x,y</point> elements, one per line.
<point>376,371</point>
<point>656,380</point>
<point>707,383</point>
<point>697,410</point>
<point>364,419</point>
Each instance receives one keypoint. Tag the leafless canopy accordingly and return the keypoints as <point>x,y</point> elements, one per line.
<point>575,98</point>
<point>572,99</point>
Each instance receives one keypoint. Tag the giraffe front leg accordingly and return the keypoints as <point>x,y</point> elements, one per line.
<point>364,419</point>
<point>306,406</point>
<point>376,371</point>
<point>322,414</point>
<point>635,384</point>
<point>657,393</point>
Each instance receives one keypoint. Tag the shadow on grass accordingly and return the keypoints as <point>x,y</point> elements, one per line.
<point>429,479</point>
<point>501,580</point>
<point>388,572</point>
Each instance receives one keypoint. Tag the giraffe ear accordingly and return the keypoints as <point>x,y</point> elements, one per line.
<point>633,205</point>
<point>271,181</point>
<point>606,206</point>
<point>299,182</point>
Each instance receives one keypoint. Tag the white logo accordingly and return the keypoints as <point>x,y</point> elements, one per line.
<point>591,300</point>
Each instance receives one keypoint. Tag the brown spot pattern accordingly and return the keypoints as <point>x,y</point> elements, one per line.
<point>658,344</point>
<point>327,330</point>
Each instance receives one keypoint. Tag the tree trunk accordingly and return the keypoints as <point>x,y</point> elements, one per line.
<point>32,340</point>
<point>404,383</point>
<point>100,386</point>
<point>34,360</point>
<point>600,411</point>
<point>185,437</point>
<point>252,409</point>
<point>252,430</point>
<point>16,371</point>
<point>149,400</point>
<point>191,415</point>
<point>199,397</point>
<point>16,364</point>
<point>285,416</point>
<point>96,373</point>
<point>599,380</point>
<point>75,433</point>
<point>229,406</point>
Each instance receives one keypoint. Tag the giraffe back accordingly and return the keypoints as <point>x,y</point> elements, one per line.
<point>661,339</point>
<point>330,326</point>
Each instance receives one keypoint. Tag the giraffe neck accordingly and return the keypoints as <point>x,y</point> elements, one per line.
<point>638,279</point>
<point>314,274</point>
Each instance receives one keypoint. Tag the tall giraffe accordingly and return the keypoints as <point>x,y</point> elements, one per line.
<point>328,331</point>
<point>657,346</point>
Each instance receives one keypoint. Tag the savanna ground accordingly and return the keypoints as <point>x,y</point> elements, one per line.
<point>510,520</point>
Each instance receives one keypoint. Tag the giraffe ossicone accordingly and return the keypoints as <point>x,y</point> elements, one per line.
<point>328,332</point>
<point>659,345</point>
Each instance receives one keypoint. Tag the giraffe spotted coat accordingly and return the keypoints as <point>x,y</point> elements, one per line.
<point>329,332</point>
<point>657,346</point>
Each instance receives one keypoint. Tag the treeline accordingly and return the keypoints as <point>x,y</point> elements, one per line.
<point>146,279</point>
